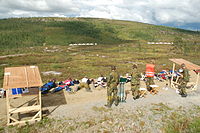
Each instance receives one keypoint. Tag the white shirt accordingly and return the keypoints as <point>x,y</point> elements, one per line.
<point>84,80</point>
<point>100,79</point>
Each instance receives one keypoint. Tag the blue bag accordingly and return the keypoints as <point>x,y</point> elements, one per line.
<point>16,91</point>
<point>68,89</point>
<point>57,89</point>
<point>46,87</point>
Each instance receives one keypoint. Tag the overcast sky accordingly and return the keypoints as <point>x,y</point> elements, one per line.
<point>174,12</point>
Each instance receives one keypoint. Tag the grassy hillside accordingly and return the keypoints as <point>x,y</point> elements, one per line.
<point>120,43</point>
<point>26,32</point>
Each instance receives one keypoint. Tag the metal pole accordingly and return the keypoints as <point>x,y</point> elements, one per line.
<point>121,92</point>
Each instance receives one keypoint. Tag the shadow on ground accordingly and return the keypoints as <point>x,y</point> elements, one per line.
<point>55,99</point>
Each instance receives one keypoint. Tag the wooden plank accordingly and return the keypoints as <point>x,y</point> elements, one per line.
<point>24,122</point>
<point>13,119</point>
<point>8,106</point>
<point>22,77</point>
<point>36,115</point>
<point>15,96</point>
<point>197,82</point>
<point>189,65</point>
<point>25,109</point>
<point>172,79</point>
<point>176,83</point>
<point>40,104</point>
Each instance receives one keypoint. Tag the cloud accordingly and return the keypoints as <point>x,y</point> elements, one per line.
<point>167,11</point>
<point>147,11</point>
<point>37,8</point>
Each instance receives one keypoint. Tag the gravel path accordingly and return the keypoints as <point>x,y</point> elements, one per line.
<point>89,107</point>
<point>85,112</point>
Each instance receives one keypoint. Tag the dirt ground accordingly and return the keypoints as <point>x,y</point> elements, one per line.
<point>84,105</point>
<point>81,105</point>
<point>82,101</point>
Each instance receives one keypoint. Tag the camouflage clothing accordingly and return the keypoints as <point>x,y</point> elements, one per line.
<point>135,83</point>
<point>149,81</point>
<point>113,81</point>
<point>186,76</point>
<point>84,85</point>
<point>183,82</point>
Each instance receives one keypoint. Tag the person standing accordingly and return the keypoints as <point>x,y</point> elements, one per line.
<point>183,80</point>
<point>150,72</point>
<point>113,81</point>
<point>135,82</point>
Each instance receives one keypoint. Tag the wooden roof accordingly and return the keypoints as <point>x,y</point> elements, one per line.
<point>188,64</point>
<point>21,77</point>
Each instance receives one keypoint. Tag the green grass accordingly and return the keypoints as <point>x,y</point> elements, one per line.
<point>182,121</point>
<point>160,108</point>
<point>183,124</point>
<point>194,126</point>
<point>28,32</point>
<point>92,61</point>
<point>119,43</point>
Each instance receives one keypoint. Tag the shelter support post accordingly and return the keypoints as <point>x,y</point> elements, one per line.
<point>40,103</point>
<point>172,78</point>
<point>8,106</point>
<point>197,82</point>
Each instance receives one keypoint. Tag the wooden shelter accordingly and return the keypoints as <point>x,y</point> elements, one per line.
<point>18,83</point>
<point>195,69</point>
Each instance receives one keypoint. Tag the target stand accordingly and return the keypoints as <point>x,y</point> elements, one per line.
<point>23,97</point>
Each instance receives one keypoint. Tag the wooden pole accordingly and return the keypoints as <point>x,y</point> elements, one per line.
<point>8,106</point>
<point>197,82</point>
<point>172,79</point>
<point>40,102</point>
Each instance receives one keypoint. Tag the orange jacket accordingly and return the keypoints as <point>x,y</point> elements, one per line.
<point>150,70</point>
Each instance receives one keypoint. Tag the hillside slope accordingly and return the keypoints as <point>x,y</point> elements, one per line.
<point>120,43</point>
<point>26,32</point>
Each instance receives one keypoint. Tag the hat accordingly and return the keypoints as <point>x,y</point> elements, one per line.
<point>134,66</point>
<point>153,61</point>
<point>113,67</point>
<point>183,65</point>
